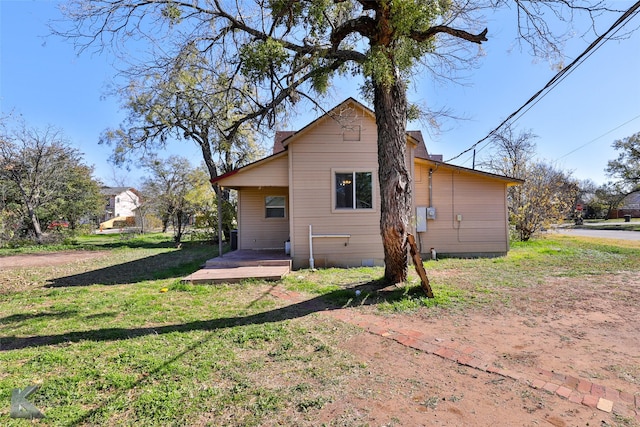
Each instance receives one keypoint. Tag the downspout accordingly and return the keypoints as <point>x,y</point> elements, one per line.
<point>430,187</point>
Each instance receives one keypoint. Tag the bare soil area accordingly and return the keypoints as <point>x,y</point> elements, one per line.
<point>49,258</point>
<point>585,329</point>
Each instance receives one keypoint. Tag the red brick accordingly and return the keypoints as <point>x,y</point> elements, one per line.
<point>508,373</point>
<point>623,410</point>
<point>378,330</point>
<point>584,387</point>
<point>538,383</point>
<point>597,390</point>
<point>468,349</point>
<point>479,364</point>
<point>478,354</point>
<point>454,345</point>
<point>564,392</point>
<point>405,340</point>
<point>427,347</point>
<point>545,373</point>
<point>447,353</point>
<point>627,397</point>
<point>611,393</point>
<point>571,382</point>
<point>575,397</point>
<point>494,369</point>
<point>511,374</point>
<point>551,387</point>
<point>465,359</point>
<point>412,333</point>
<point>559,377</point>
<point>590,400</point>
<point>340,315</point>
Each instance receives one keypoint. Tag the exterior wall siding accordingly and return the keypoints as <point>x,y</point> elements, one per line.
<point>346,141</point>
<point>271,173</point>
<point>126,204</point>
<point>480,201</point>
<point>256,231</point>
<point>315,156</point>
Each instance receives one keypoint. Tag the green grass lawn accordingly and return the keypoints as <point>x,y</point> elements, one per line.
<point>107,346</point>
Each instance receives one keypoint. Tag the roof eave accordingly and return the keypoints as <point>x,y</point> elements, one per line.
<point>510,181</point>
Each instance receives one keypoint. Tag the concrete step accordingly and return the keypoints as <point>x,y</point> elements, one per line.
<point>237,274</point>
<point>222,263</point>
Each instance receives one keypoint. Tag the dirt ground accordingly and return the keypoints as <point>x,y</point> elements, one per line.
<point>571,332</point>
<point>49,258</point>
<point>587,329</point>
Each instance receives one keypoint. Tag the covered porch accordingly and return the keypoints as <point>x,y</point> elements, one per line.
<point>235,266</point>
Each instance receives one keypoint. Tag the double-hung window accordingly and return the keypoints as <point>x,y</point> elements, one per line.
<point>274,206</point>
<point>353,190</point>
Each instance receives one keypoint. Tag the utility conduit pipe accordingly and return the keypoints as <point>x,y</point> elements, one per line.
<point>312,236</point>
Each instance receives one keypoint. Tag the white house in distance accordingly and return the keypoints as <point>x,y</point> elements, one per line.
<point>120,202</point>
<point>319,193</point>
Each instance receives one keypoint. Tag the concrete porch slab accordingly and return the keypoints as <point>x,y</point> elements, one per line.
<point>239,265</point>
<point>237,274</point>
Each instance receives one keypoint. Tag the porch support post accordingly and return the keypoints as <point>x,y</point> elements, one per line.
<point>219,196</point>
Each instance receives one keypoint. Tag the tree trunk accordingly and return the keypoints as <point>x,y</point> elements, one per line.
<point>31,211</point>
<point>35,222</point>
<point>390,102</point>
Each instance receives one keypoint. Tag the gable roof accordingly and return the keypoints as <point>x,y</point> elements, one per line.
<point>631,201</point>
<point>283,138</point>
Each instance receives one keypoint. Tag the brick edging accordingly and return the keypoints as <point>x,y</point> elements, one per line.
<point>575,390</point>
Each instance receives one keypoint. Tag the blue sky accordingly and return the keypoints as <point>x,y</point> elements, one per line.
<point>44,80</point>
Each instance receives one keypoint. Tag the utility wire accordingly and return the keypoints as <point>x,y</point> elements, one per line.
<point>595,139</point>
<point>560,75</point>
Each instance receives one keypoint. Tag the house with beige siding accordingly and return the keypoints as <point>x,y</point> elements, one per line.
<point>317,196</point>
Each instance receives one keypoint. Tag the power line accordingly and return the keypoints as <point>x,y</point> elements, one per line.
<point>595,139</point>
<point>621,21</point>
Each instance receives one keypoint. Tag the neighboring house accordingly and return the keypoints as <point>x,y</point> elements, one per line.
<point>630,205</point>
<point>319,192</point>
<point>120,202</point>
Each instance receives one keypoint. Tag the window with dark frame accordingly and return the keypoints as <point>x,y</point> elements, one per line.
<point>354,190</point>
<point>274,206</point>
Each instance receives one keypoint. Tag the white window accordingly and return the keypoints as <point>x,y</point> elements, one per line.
<point>274,206</point>
<point>353,190</point>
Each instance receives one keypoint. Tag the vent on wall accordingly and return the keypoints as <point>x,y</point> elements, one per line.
<point>351,133</point>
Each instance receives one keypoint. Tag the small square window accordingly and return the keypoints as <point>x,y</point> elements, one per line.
<point>274,206</point>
